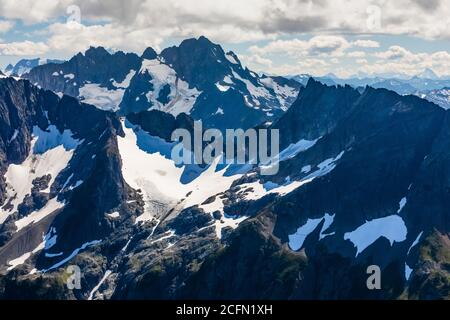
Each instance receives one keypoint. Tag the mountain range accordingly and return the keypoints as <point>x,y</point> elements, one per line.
<point>25,65</point>
<point>427,84</point>
<point>87,180</point>
<point>197,78</point>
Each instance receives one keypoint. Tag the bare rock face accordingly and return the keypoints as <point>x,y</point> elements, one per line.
<point>90,186</point>
<point>373,163</point>
<point>96,65</point>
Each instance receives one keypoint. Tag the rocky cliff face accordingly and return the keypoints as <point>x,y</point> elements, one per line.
<point>60,173</point>
<point>363,180</point>
<point>94,76</point>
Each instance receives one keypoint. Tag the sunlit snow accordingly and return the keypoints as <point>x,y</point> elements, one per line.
<point>101,97</point>
<point>103,279</point>
<point>182,97</point>
<point>23,258</point>
<point>150,170</point>
<point>51,152</point>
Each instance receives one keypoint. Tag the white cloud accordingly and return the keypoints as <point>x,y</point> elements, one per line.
<point>24,48</point>
<point>366,43</point>
<point>73,37</point>
<point>256,62</point>
<point>31,11</point>
<point>356,54</point>
<point>323,54</point>
<point>316,46</point>
<point>251,19</point>
<point>132,25</point>
<point>394,52</point>
<point>404,61</point>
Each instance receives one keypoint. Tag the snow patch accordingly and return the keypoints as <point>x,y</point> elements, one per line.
<point>219,111</point>
<point>324,168</point>
<point>292,150</point>
<point>222,88</point>
<point>256,190</point>
<point>297,239</point>
<point>72,255</point>
<point>14,136</point>
<point>53,255</point>
<point>231,58</point>
<point>402,204</point>
<point>182,98</point>
<point>101,97</point>
<point>283,93</point>
<point>227,221</point>
<point>416,242</point>
<point>408,271</point>
<point>52,138</point>
<point>36,216</point>
<point>255,91</point>
<point>126,82</point>
<point>51,152</point>
<point>113,215</point>
<point>95,289</point>
<point>23,258</point>
<point>392,228</point>
<point>146,167</point>
<point>50,239</point>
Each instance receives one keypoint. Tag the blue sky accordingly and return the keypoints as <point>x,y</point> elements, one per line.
<point>344,37</point>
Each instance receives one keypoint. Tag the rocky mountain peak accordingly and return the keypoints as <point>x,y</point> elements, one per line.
<point>199,61</point>
<point>149,54</point>
<point>96,52</point>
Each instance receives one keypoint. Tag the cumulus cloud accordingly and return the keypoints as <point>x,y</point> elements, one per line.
<point>316,46</point>
<point>257,62</point>
<point>422,18</point>
<point>24,48</point>
<point>75,37</point>
<point>283,25</point>
<point>401,60</point>
<point>30,11</point>
<point>356,54</point>
<point>366,43</point>
<point>394,52</point>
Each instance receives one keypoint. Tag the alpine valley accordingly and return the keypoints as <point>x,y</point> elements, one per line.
<point>87,180</point>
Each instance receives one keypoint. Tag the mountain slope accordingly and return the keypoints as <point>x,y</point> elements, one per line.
<point>60,174</point>
<point>363,180</point>
<point>96,76</point>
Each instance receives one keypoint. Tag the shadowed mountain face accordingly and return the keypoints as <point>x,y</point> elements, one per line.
<point>364,180</point>
<point>197,78</point>
<point>59,167</point>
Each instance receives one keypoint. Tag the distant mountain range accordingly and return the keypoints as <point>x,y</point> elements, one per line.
<point>25,65</point>
<point>364,180</point>
<point>440,96</point>
<point>426,85</point>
